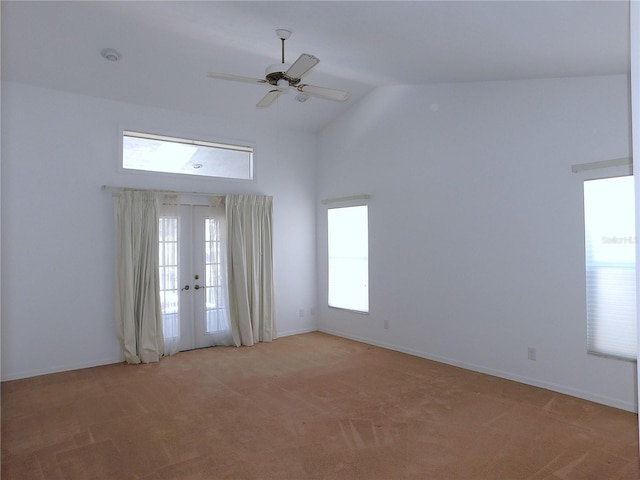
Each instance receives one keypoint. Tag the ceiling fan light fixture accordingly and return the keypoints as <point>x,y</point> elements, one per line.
<point>283,86</point>
<point>302,97</point>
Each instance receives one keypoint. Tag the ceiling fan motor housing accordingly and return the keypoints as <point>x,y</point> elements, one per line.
<point>276,72</point>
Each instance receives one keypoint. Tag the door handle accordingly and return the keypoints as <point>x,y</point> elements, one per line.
<point>186,287</point>
<point>197,287</point>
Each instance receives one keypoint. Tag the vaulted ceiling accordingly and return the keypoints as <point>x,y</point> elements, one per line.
<point>167,48</point>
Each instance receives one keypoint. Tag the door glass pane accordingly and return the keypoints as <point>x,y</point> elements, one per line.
<point>214,300</point>
<point>169,276</point>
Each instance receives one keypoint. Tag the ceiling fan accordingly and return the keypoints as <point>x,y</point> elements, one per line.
<point>283,76</point>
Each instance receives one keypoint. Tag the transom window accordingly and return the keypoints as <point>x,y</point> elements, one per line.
<point>182,156</point>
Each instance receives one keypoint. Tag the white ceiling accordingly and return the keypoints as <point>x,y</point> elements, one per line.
<point>168,47</point>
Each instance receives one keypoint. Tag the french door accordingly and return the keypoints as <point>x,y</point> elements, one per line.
<point>192,277</point>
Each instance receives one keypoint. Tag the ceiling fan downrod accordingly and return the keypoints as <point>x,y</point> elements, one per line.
<point>284,35</point>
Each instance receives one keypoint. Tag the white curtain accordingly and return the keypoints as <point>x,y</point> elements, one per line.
<point>137,309</point>
<point>250,267</point>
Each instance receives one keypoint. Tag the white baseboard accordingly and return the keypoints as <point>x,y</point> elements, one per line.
<point>592,397</point>
<point>58,369</point>
<point>288,333</point>
<point>612,402</point>
<point>98,363</point>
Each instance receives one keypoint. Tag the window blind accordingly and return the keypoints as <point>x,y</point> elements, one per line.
<point>610,253</point>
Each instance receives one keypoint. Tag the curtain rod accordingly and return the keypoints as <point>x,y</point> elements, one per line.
<point>615,162</point>
<point>345,199</point>
<point>109,188</point>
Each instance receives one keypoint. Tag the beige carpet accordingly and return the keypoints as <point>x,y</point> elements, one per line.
<point>310,406</point>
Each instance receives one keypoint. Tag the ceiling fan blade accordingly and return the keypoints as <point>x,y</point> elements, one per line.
<point>301,66</point>
<point>269,98</point>
<point>235,78</point>
<point>322,92</point>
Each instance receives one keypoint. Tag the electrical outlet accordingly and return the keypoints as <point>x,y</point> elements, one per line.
<point>531,353</point>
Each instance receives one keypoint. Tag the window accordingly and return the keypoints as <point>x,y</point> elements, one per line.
<point>157,153</point>
<point>610,243</point>
<point>348,241</point>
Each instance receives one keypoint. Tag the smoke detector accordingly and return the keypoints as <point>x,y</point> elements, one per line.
<point>110,54</point>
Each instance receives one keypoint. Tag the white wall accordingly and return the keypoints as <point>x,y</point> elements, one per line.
<point>476,222</point>
<point>58,149</point>
<point>476,229</point>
